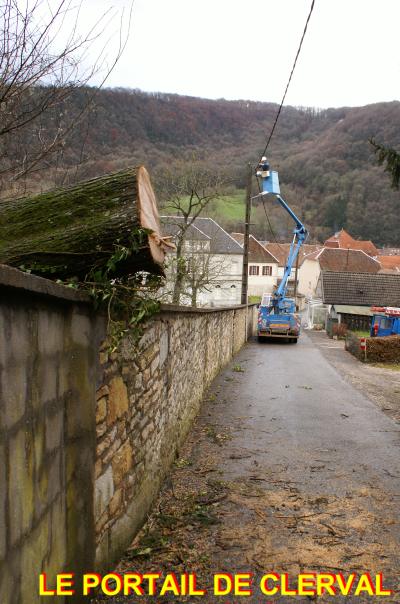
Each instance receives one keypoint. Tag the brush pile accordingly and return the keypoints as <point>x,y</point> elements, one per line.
<point>383,350</point>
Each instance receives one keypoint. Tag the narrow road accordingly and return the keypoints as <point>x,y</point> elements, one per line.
<point>288,469</point>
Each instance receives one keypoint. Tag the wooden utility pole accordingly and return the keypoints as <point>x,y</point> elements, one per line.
<point>245,273</point>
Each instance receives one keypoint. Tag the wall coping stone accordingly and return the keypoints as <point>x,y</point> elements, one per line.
<point>14,279</point>
<point>166,308</point>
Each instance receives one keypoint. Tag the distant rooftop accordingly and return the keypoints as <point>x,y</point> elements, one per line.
<point>220,241</point>
<point>171,226</point>
<point>281,251</point>
<point>360,288</point>
<point>350,261</point>
<point>257,252</point>
<point>390,263</point>
<point>342,239</point>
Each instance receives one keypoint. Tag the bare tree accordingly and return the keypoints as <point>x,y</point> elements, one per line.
<point>186,191</point>
<point>204,270</point>
<point>38,74</point>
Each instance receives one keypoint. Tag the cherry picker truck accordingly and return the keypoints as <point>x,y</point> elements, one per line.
<point>277,314</point>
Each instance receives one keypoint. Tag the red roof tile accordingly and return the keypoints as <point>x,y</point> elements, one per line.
<point>344,240</point>
<point>390,262</point>
<point>353,261</point>
<point>281,251</point>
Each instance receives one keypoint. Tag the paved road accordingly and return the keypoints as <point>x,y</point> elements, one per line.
<point>288,469</point>
<point>303,414</point>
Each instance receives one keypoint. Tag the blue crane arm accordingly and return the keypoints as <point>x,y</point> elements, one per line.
<point>270,185</point>
<point>300,234</point>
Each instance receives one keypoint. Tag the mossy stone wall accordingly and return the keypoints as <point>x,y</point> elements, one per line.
<point>47,436</point>
<point>87,437</point>
<point>147,399</point>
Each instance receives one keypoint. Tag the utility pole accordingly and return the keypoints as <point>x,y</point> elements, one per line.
<point>245,273</point>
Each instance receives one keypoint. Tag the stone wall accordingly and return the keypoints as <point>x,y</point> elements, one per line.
<point>47,433</point>
<point>71,500</point>
<point>146,401</point>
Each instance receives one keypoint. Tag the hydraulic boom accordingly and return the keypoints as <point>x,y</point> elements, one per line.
<point>277,319</point>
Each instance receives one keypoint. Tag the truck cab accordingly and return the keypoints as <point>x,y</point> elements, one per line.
<point>271,324</point>
<point>385,321</point>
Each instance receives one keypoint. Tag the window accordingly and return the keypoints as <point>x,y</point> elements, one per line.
<point>254,270</point>
<point>267,270</point>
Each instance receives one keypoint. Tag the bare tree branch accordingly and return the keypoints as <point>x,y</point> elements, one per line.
<point>38,75</point>
<point>186,189</point>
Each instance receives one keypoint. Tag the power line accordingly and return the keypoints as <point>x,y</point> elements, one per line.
<point>290,78</point>
<point>279,112</point>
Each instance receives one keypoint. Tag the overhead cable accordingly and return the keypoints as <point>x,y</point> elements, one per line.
<point>290,78</point>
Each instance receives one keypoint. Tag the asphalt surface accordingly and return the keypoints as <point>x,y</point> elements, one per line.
<point>299,470</point>
<point>302,411</point>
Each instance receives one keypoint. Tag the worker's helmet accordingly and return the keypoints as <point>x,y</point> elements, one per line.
<point>264,159</point>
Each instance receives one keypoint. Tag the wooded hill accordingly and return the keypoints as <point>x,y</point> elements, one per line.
<point>327,167</point>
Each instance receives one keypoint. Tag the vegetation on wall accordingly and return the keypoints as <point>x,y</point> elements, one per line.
<point>92,236</point>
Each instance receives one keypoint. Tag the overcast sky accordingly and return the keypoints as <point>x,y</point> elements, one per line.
<point>244,49</point>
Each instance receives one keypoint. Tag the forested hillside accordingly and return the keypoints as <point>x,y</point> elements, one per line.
<point>327,166</point>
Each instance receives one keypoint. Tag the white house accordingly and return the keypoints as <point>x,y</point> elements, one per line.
<point>281,252</point>
<point>209,251</point>
<point>263,267</point>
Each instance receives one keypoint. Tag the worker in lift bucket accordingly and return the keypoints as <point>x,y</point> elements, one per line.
<point>263,168</point>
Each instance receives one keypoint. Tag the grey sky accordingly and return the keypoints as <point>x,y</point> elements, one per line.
<point>244,49</point>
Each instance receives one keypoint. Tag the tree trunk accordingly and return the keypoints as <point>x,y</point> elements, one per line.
<point>194,296</point>
<point>180,274</point>
<point>68,232</point>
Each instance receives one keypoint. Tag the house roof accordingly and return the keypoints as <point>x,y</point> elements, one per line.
<point>390,263</point>
<point>239,237</point>
<point>344,240</point>
<point>258,253</point>
<point>353,261</point>
<point>281,251</point>
<point>389,251</point>
<point>360,289</point>
<point>171,227</point>
<point>347,309</point>
<point>220,241</point>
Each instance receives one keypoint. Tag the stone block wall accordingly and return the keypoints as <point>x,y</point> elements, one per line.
<point>86,437</point>
<point>146,401</point>
<point>47,434</point>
